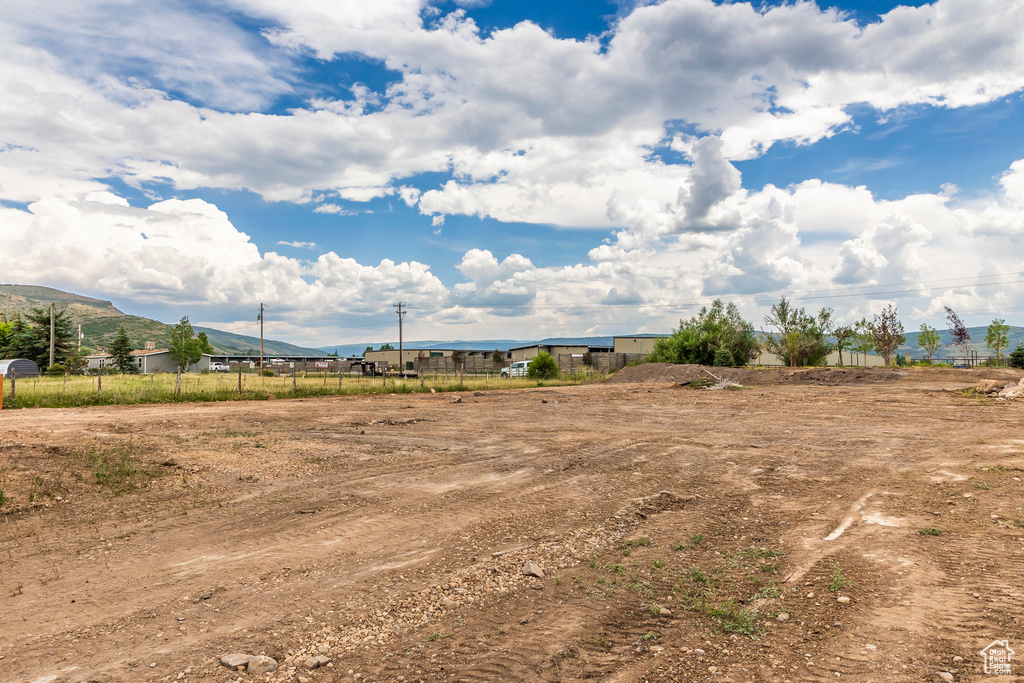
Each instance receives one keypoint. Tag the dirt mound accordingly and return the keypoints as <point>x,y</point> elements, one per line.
<point>659,373</point>
<point>667,373</point>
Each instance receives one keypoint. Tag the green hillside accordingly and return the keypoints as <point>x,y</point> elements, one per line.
<point>242,345</point>
<point>100,320</point>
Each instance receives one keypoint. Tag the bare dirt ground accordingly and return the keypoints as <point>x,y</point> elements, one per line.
<point>389,533</point>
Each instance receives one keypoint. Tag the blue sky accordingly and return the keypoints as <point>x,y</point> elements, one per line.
<point>509,169</point>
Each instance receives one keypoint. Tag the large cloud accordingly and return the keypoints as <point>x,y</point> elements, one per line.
<point>188,253</point>
<point>487,107</point>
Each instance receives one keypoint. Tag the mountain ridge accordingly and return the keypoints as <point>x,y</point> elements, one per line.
<point>100,319</point>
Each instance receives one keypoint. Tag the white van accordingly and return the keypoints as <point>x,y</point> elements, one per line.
<point>517,369</point>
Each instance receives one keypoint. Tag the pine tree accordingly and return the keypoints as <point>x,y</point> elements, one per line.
<point>121,352</point>
<point>30,337</point>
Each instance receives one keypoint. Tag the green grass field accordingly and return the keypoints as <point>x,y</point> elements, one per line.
<point>72,391</point>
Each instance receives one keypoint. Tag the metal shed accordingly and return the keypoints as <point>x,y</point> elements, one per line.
<point>19,367</point>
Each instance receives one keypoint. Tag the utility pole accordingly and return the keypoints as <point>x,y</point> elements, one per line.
<point>401,314</point>
<point>51,334</point>
<point>260,318</point>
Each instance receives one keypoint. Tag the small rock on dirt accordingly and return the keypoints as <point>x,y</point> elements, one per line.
<point>457,399</point>
<point>665,612</point>
<point>699,652</point>
<point>945,675</point>
<point>988,386</point>
<point>843,600</point>
<point>531,568</point>
<point>235,660</point>
<point>261,664</point>
<point>782,617</point>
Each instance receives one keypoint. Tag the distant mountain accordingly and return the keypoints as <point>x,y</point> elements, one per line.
<point>911,347</point>
<point>232,344</point>
<point>100,320</point>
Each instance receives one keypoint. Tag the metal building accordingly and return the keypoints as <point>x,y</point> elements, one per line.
<point>19,367</point>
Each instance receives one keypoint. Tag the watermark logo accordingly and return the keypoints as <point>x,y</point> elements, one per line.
<point>997,657</point>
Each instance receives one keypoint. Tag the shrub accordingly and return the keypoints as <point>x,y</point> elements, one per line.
<point>543,366</point>
<point>723,358</point>
<point>800,339</point>
<point>1017,357</point>
<point>56,370</point>
<point>698,339</point>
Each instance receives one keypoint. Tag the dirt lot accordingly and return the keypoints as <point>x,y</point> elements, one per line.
<point>684,534</point>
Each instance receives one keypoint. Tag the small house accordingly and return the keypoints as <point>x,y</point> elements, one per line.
<point>150,361</point>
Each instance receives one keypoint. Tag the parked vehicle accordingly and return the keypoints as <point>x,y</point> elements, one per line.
<point>219,367</point>
<point>517,369</point>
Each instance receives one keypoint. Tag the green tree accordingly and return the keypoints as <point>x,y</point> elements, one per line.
<point>543,366</point>
<point>800,338</point>
<point>30,337</point>
<point>5,335</point>
<point>928,339</point>
<point>187,349</point>
<point>121,352</point>
<point>1017,357</point>
<point>498,359</point>
<point>887,332</point>
<point>76,364</point>
<point>699,338</point>
<point>844,336</point>
<point>863,341</point>
<point>997,337</point>
<point>386,347</point>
